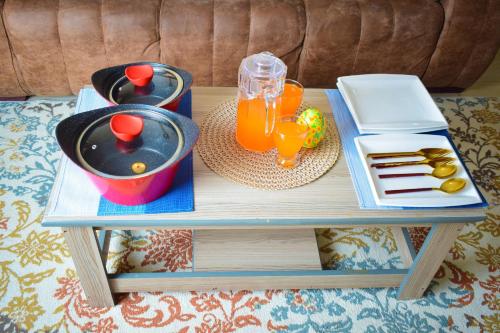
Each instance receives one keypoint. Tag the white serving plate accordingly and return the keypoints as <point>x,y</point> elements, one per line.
<point>390,103</point>
<point>409,143</point>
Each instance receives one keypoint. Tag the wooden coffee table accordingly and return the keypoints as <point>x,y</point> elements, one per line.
<point>245,238</point>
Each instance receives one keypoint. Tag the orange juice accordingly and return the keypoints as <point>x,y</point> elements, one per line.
<point>291,99</point>
<point>251,125</point>
<point>289,137</point>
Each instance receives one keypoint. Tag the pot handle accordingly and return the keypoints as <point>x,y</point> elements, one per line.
<point>189,129</point>
<point>69,129</point>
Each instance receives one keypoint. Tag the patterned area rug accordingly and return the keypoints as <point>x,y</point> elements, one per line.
<point>40,292</point>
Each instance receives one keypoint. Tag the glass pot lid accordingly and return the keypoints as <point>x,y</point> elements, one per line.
<point>159,144</point>
<point>165,86</point>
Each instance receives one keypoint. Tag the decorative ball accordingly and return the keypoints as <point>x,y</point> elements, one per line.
<point>313,118</point>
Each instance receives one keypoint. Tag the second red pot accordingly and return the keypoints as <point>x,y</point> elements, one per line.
<point>165,89</point>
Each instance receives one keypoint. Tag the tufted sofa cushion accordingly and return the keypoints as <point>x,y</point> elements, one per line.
<point>9,84</point>
<point>51,47</point>
<point>468,42</point>
<point>368,36</point>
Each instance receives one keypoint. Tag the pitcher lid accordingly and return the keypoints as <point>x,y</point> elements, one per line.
<point>264,66</point>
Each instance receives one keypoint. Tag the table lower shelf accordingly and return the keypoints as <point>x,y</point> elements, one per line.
<point>259,259</point>
<point>257,249</point>
<point>255,280</point>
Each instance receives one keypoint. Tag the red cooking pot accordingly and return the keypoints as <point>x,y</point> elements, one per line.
<point>131,152</point>
<point>147,83</point>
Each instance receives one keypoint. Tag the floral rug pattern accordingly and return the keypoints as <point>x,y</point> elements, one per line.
<point>40,291</point>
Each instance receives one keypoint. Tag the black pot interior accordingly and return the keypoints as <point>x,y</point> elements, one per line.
<point>162,86</point>
<point>102,153</point>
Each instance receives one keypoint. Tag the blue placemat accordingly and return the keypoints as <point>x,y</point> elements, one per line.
<point>348,131</point>
<point>180,198</point>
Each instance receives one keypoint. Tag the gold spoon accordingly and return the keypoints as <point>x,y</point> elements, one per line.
<point>452,185</point>
<point>440,171</point>
<point>433,162</point>
<point>426,152</point>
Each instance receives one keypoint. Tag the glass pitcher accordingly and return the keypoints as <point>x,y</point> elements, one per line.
<point>261,80</point>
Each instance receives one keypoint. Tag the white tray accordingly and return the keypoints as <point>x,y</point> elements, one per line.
<point>390,103</point>
<point>411,142</point>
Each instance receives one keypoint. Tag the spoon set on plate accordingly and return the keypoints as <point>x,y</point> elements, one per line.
<point>443,167</point>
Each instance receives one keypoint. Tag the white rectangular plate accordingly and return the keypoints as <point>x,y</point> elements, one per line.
<point>386,143</point>
<point>389,103</point>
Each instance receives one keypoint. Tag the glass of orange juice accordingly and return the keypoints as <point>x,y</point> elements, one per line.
<point>291,98</point>
<point>289,138</point>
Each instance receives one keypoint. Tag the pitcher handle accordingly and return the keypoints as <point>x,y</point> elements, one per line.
<point>270,104</point>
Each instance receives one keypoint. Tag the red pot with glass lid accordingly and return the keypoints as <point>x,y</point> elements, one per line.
<point>131,152</point>
<point>147,83</point>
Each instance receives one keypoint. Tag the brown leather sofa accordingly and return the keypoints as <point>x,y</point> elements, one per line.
<point>51,47</point>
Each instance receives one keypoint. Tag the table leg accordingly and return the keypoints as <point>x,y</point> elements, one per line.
<point>104,240</point>
<point>404,251</point>
<point>435,248</point>
<point>84,249</point>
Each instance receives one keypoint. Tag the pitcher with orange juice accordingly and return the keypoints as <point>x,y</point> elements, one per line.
<point>261,81</point>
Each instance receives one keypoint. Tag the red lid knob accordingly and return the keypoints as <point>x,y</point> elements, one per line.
<point>139,75</point>
<point>126,127</point>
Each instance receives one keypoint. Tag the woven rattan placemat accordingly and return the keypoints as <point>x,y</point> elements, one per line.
<point>221,152</point>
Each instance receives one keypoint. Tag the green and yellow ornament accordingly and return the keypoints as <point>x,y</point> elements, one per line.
<point>313,118</point>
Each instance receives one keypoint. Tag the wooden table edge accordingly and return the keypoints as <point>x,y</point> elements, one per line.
<point>152,222</point>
